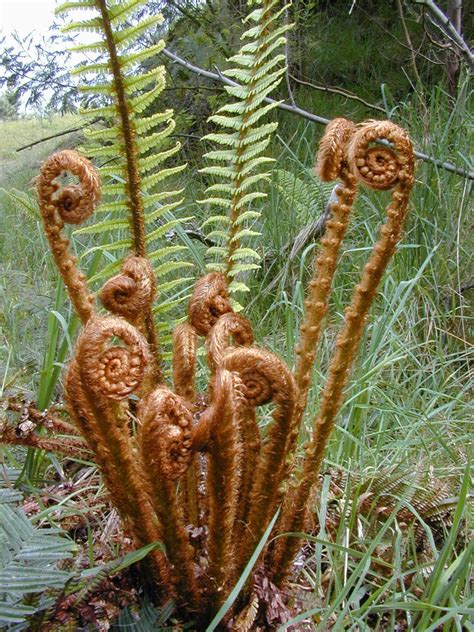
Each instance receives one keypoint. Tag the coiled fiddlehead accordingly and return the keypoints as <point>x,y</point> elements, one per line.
<point>165,449</point>
<point>131,292</point>
<point>72,204</point>
<point>112,372</point>
<point>209,300</point>
<point>331,164</point>
<point>98,380</point>
<point>228,326</point>
<point>264,378</point>
<point>399,161</point>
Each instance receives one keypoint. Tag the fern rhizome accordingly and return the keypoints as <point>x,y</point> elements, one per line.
<point>177,461</point>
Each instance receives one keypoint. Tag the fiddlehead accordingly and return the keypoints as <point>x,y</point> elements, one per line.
<point>209,300</point>
<point>264,378</point>
<point>99,379</point>
<point>219,427</point>
<point>112,372</point>
<point>130,293</point>
<point>399,161</point>
<point>72,204</point>
<point>184,361</point>
<point>228,326</point>
<point>165,449</point>
<point>331,164</point>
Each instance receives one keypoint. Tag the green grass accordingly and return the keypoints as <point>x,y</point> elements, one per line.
<point>409,400</point>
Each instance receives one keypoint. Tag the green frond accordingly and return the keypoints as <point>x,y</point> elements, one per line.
<point>154,198</point>
<point>165,228</point>
<point>221,155</point>
<point>106,151</point>
<point>123,10</point>
<point>130,60</point>
<point>150,122</point>
<point>219,171</point>
<point>254,150</point>
<point>255,162</point>
<point>246,199</point>
<point>69,6</point>
<point>248,215</point>
<point>251,180</point>
<point>107,134</point>
<point>216,219</point>
<point>107,271</point>
<point>106,111</point>
<point>245,232</point>
<point>245,253</point>
<point>215,266</point>
<point>258,133</point>
<point>167,286</point>
<point>117,188</point>
<point>121,244</point>
<point>232,122</point>
<point>231,140</point>
<point>133,83</point>
<point>151,181</point>
<point>161,210</point>
<point>170,266</point>
<point>151,162</point>
<point>215,201</point>
<point>94,25</point>
<point>94,47</point>
<point>256,116</point>
<point>85,69</point>
<point>216,250</point>
<point>138,104</point>
<point>125,36</point>
<point>109,225</point>
<point>152,141</point>
<point>166,251</point>
<point>221,235</point>
<point>220,188</point>
<point>242,267</point>
<point>238,286</point>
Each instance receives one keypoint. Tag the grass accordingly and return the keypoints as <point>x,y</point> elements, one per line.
<point>409,401</point>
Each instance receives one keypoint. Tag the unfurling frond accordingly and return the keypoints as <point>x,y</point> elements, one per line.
<point>259,68</point>
<point>134,158</point>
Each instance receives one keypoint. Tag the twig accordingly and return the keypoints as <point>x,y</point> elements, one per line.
<point>447,27</point>
<point>218,76</point>
<point>340,91</point>
<point>408,40</point>
<point>63,133</point>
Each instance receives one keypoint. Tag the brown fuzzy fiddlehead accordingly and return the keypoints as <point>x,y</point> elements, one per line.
<point>131,292</point>
<point>112,372</point>
<point>99,379</point>
<point>165,449</point>
<point>229,326</point>
<point>209,300</point>
<point>398,159</point>
<point>224,448</point>
<point>331,164</point>
<point>265,378</point>
<point>184,361</point>
<point>72,204</point>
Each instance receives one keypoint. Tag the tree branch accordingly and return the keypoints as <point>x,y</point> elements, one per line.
<point>218,76</point>
<point>447,27</point>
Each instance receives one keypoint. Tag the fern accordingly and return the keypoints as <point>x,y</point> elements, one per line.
<point>239,159</point>
<point>133,145</point>
<point>28,558</point>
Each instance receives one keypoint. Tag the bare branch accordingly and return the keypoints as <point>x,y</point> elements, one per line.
<point>445,25</point>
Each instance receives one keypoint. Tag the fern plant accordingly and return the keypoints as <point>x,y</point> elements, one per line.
<point>133,144</point>
<point>258,67</point>
<point>176,461</point>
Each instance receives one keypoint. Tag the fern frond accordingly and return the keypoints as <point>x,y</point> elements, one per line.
<point>134,171</point>
<point>258,66</point>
